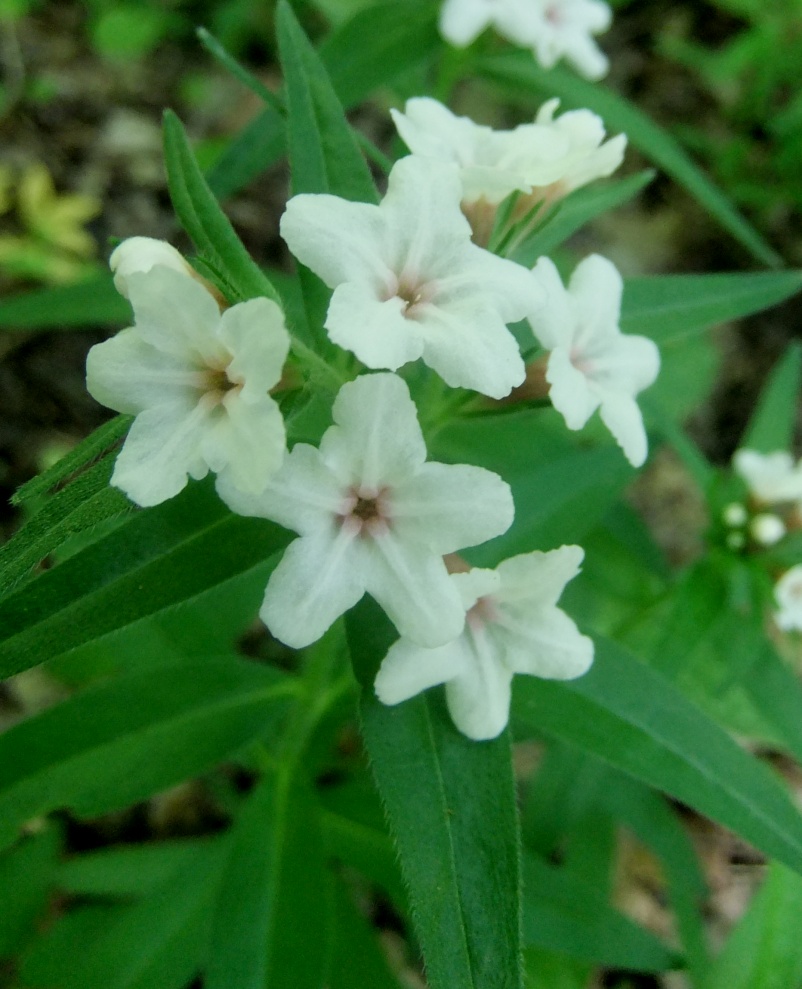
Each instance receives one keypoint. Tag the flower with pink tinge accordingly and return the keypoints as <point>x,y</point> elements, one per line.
<point>788,597</point>
<point>373,515</point>
<point>592,364</point>
<point>409,283</point>
<point>197,383</point>
<point>513,625</point>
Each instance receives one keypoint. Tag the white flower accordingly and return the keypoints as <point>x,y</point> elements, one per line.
<point>788,597</point>
<point>552,28</point>
<point>565,31</point>
<point>140,254</point>
<point>770,477</point>
<point>197,383</point>
<point>409,283</point>
<point>513,626</point>
<point>593,365</point>
<point>545,159</point>
<point>461,21</point>
<point>373,516</point>
<point>767,529</point>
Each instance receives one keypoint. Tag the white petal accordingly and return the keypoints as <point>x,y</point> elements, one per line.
<point>161,449</point>
<point>543,642</point>
<point>375,330</point>
<point>255,335</point>
<point>128,374</point>
<point>472,350</point>
<point>479,699</point>
<point>339,240</point>
<point>474,584</point>
<point>408,669</point>
<point>176,315</point>
<point>376,440</point>
<point>449,507</point>
<point>303,496</point>
<point>621,415</point>
<point>313,585</point>
<point>139,254</point>
<point>596,287</point>
<point>463,20</point>
<point>537,578</point>
<point>770,476</point>
<point>413,587</point>
<point>586,57</point>
<point>553,324</point>
<point>429,128</point>
<point>570,393</point>
<point>245,443</point>
<point>622,363</point>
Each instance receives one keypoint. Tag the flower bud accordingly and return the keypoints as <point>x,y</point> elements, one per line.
<point>140,254</point>
<point>735,514</point>
<point>767,529</point>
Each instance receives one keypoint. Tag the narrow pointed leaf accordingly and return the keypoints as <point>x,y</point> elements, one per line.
<point>633,718</point>
<point>91,303</point>
<point>118,742</point>
<point>772,425</point>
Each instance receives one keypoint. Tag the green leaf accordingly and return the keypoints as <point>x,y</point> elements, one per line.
<point>159,941</point>
<point>518,72</point>
<point>358,961</point>
<point>78,306</point>
<point>26,876</point>
<point>156,560</point>
<point>324,156</point>
<point>765,950</point>
<point>631,717</point>
<point>776,692</point>
<point>772,424</point>
<point>119,742</point>
<point>670,307</point>
<point>575,211</point>
<point>271,913</point>
<point>258,147</point>
<point>81,505</point>
<point>451,807</point>
<point>204,221</point>
<point>563,913</point>
<point>129,871</point>
<point>96,445</point>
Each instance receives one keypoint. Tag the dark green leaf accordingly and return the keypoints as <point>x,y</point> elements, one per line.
<point>324,156</point>
<point>82,305</point>
<point>26,877</point>
<point>772,424</point>
<point>121,741</point>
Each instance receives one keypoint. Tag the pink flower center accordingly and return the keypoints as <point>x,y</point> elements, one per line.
<point>365,512</point>
<point>413,292</point>
<point>215,384</point>
<point>484,612</point>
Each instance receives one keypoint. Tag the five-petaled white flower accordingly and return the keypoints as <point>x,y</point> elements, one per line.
<point>566,31</point>
<point>513,626</point>
<point>770,477</point>
<point>545,160</point>
<point>373,515</point>
<point>788,597</point>
<point>197,382</point>
<point>409,283</point>
<point>592,365</point>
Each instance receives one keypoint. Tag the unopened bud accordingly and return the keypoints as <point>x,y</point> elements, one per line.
<point>735,514</point>
<point>767,529</point>
<point>736,540</point>
<point>140,254</point>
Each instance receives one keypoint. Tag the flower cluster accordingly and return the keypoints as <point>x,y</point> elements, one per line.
<point>773,509</point>
<point>372,513</point>
<point>553,29</point>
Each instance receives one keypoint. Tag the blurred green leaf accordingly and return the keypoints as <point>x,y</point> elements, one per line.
<point>518,72</point>
<point>119,742</point>
<point>358,961</point>
<point>631,717</point>
<point>772,424</point>
<point>27,872</point>
<point>270,923</point>
<point>84,304</point>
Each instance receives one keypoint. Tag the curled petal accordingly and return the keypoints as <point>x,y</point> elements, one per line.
<point>408,669</point>
<point>479,698</point>
<point>621,415</point>
<point>254,332</point>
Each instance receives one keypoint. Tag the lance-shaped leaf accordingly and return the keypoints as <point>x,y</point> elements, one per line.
<point>633,718</point>
<point>271,913</point>
<point>122,741</point>
<point>772,425</point>
<point>450,803</point>
<point>94,302</point>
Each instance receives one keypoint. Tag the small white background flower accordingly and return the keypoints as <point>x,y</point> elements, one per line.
<point>197,382</point>
<point>770,477</point>
<point>788,596</point>
<point>513,626</point>
<point>373,516</point>
<point>592,365</point>
<point>409,283</point>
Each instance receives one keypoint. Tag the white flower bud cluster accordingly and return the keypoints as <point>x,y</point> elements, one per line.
<point>372,514</point>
